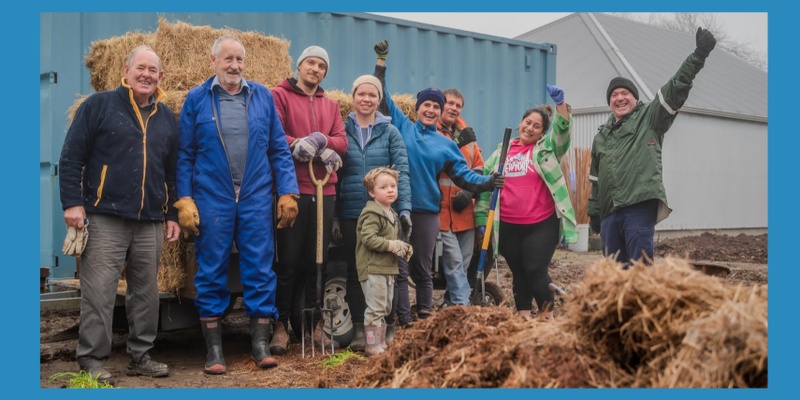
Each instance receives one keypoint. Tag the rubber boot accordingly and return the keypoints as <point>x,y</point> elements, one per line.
<point>212,332</point>
<point>359,342</point>
<point>382,337</point>
<point>321,339</point>
<point>280,339</point>
<point>373,340</point>
<point>259,339</point>
<point>390,328</point>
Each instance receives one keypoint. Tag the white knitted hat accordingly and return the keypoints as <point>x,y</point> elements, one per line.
<point>367,79</point>
<point>314,51</point>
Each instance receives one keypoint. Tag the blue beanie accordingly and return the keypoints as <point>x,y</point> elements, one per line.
<point>432,94</point>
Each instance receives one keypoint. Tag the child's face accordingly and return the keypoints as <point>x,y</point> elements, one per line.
<point>385,190</point>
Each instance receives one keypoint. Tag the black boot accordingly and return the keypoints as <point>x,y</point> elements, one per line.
<point>212,332</point>
<point>259,336</point>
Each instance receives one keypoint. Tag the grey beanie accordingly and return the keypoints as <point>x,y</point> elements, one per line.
<point>620,82</point>
<point>314,51</point>
<point>367,79</point>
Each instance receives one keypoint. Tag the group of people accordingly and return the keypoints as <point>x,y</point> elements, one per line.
<point>239,166</point>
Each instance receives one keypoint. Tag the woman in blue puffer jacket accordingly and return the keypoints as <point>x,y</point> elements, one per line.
<point>372,142</point>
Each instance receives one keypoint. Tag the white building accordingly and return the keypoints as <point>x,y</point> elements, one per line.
<point>715,154</point>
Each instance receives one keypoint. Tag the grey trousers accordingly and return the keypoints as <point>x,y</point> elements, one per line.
<point>115,242</point>
<point>378,294</point>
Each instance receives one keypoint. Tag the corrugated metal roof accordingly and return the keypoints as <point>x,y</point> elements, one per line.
<point>593,48</point>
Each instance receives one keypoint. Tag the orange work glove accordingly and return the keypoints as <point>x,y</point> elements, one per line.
<point>188,217</point>
<point>287,210</point>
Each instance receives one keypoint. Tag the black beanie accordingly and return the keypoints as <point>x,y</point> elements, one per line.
<point>620,82</point>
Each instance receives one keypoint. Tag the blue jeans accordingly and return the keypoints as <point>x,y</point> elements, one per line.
<point>628,232</point>
<point>455,272</point>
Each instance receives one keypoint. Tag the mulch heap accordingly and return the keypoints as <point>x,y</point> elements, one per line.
<point>184,50</point>
<point>707,246</point>
<point>668,325</point>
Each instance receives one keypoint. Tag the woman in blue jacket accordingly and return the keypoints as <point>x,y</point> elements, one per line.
<point>429,154</point>
<point>372,142</point>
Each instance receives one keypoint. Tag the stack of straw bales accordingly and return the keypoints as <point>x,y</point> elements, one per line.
<point>663,326</point>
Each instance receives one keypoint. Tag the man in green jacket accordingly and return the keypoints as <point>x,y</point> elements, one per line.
<point>628,197</point>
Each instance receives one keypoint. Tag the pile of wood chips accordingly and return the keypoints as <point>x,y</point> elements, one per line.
<point>664,326</point>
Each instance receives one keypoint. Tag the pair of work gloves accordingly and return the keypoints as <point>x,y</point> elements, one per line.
<point>316,145</point>
<point>189,217</point>
<point>76,239</point>
<point>401,249</point>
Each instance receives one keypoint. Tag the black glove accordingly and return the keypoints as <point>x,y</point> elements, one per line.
<point>496,180</point>
<point>461,200</point>
<point>465,137</point>
<point>382,49</point>
<point>405,225</point>
<point>705,43</point>
<point>594,223</point>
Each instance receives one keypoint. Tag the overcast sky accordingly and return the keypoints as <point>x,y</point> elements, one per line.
<point>747,28</point>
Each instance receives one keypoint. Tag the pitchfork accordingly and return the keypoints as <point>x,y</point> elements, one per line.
<point>318,304</point>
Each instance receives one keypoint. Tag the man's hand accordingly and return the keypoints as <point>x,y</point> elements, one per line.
<point>465,137</point>
<point>287,210</point>
<point>188,216</point>
<point>461,200</point>
<point>75,216</point>
<point>332,160</point>
<point>405,224</point>
<point>336,231</point>
<point>556,93</point>
<point>382,49</point>
<point>304,149</point>
<point>173,231</point>
<point>75,240</point>
<point>594,223</point>
<point>705,42</point>
<point>497,180</point>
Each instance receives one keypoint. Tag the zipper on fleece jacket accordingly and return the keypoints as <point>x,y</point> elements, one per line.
<point>102,182</point>
<point>143,123</point>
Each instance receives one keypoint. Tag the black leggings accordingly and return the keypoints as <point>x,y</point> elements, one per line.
<point>528,250</point>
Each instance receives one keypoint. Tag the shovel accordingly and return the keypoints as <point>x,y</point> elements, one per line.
<point>318,304</point>
<point>490,219</point>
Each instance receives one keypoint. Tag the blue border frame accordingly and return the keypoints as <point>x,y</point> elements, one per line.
<point>22,148</point>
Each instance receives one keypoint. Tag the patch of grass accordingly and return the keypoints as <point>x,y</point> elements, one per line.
<point>337,359</point>
<point>79,380</point>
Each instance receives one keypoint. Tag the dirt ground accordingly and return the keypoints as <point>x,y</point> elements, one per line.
<point>184,350</point>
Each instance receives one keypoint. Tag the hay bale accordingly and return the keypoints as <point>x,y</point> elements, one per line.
<point>640,317</point>
<point>727,349</point>
<point>172,267</point>
<point>185,51</point>
<point>106,58</point>
<point>344,99</point>
<point>406,102</point>
<point>174,100</point>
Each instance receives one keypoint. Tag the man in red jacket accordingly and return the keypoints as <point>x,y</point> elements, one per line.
<point>314,128</point>
<point>457,216</point>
